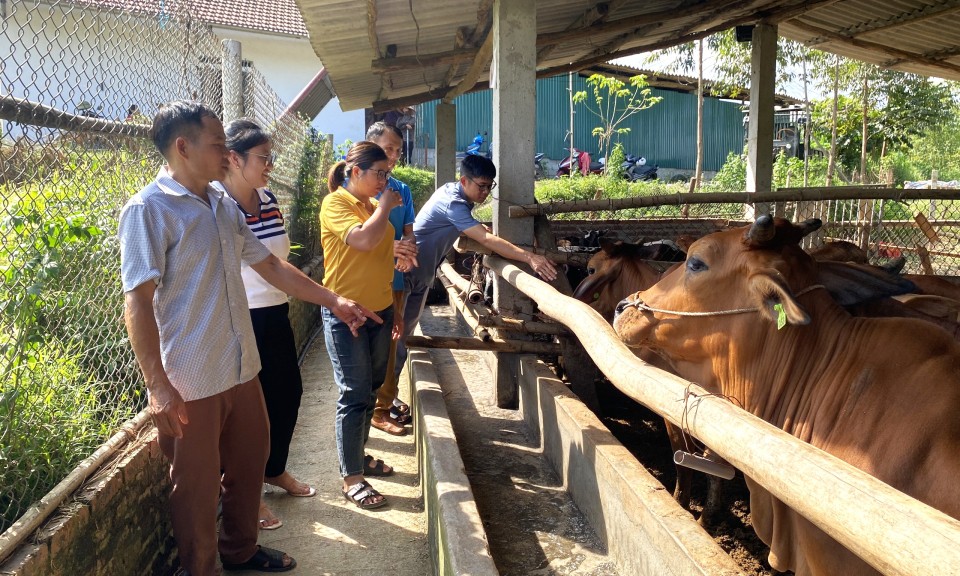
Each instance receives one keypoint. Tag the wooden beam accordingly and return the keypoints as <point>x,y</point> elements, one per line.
<point>405,63</point>
<point>25,112</point>
<point>463,244</point>
<point>781,195</point>
<point>527,326</point>
<point>873,46</point>
<point>480,63</point>
<point>589,17</point>
<point>466,343</point>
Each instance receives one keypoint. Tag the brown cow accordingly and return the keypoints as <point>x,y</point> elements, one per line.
<point>880,393</point>
<point>618,269</point>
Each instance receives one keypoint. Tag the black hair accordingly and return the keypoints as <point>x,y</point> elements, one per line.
<point>180,118</point>
<point>377,129</point>
<point>362,154</point>
<point>244,134</point>
<point>477,167</point>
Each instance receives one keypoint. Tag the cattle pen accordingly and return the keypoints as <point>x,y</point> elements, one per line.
<point>894,533</point>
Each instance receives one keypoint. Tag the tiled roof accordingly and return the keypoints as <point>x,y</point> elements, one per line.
<point>275,16</point>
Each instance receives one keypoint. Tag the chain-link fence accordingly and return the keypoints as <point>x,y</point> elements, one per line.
<point>920,226</point>
<point>80,82</point>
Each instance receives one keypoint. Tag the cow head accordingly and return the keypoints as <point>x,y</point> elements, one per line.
<point>757,269</point>
<point>618,269</point>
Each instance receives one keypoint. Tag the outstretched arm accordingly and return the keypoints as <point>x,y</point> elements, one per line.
<point>540,264</point>
<point>291,280</point>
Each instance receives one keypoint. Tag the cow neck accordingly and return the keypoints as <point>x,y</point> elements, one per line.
<point>780,375</point>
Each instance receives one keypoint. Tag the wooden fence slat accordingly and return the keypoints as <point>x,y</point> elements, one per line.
<point>781,195</point>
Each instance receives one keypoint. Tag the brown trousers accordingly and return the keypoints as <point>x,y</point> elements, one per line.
<point>228,432</point>
<point>389,389</point>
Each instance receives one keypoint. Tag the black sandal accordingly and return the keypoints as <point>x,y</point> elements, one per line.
<point>364,495</point>
<point>375,467</point>
<point>264,560</point>
<point>401,415</point>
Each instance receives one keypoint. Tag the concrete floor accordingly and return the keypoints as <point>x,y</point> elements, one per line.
<point>533,526</point>
<point>326,534</point>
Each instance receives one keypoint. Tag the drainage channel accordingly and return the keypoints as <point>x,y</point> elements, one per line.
<point>532,525</point>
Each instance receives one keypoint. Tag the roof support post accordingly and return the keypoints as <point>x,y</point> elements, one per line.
<point>513,77</point>
<point>232,81</point>
<point>446,143</point>
<point>763,72</point>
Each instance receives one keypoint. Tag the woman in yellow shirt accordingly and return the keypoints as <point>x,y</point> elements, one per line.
<point>357,240</point>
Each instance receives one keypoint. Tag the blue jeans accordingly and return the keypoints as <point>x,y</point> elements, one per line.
<point>416,298</point>
<point>359,365</point>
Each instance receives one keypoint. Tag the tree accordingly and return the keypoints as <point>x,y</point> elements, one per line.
<point>613,101</point>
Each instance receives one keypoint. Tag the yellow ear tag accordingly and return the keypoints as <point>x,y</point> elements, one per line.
<point>781,316</point>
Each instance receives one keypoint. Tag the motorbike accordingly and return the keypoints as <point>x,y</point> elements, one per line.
<point>583,162</point>
<point>635,168</point>
<point>539,166</point>
<point>476,147</point>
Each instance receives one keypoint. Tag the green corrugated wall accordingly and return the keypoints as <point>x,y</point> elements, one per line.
<point>665,134</point>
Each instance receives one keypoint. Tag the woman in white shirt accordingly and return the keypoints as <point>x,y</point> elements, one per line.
<point>251,159</point>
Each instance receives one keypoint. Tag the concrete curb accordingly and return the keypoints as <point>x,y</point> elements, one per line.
<point>644,529</point>
<point>457,540</point>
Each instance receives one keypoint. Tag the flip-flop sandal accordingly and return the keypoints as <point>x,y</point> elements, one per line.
<point>375,467</point>
<point>311,491</point>
<point>363,495</point>
<point>264,560</point>
<point>264,523</point>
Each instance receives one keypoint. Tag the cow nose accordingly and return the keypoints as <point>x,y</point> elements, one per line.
<point>621,306</point>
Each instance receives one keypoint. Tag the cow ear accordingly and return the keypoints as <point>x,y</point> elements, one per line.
<point>775,299</point>
<point>608,245</point>
<point>852,284</point>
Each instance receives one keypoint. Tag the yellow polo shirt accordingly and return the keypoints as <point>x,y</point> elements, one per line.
<point>364,277</point>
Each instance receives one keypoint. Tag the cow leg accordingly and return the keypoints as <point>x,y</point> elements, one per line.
<point>714,503</point>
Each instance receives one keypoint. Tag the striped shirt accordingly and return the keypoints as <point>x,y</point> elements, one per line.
<point>192,251</point>
<point>268,227</point>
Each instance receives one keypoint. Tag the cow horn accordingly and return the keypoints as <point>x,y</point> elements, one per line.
<point>809,226</point>
<point>762,231</point>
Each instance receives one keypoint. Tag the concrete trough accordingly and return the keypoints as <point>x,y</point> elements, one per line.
<point>644,530</point>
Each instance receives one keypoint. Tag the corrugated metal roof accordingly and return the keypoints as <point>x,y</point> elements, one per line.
<point>313,97</point>
<point>276,16</point>
<point>387,53</point>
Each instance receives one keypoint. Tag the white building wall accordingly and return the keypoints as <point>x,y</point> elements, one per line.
<point>289,64</point>
<point>62,55</point>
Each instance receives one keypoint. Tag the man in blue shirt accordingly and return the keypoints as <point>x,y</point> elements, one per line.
<point>390,414</point>
<point>445,216</point>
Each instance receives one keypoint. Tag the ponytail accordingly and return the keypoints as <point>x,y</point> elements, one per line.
<point>337,175</point>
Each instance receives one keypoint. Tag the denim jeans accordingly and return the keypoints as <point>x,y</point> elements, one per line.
<point>359,365</point>
<point>416,298</point>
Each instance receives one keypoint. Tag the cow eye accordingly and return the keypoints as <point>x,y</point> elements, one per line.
<point>591,271</point>
<point>695,264</point>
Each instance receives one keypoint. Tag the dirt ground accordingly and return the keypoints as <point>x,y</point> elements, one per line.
<point>326,534</point>
<point>641,431</point>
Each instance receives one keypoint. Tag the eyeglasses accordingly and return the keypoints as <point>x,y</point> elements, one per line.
<point>381,174</point>
<point>269,159</point>
<point>488,187</point>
